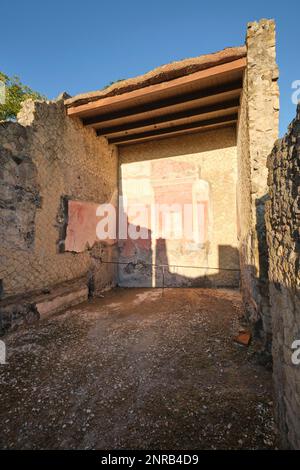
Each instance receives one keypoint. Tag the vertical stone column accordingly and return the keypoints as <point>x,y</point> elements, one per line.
<point>257,131</point>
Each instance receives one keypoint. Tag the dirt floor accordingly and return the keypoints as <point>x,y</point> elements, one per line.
<point>139,368</point>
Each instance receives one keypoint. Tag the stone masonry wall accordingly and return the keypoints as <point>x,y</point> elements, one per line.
<point>283,236</point>
<point>44,158</point>
<point>257,131</point>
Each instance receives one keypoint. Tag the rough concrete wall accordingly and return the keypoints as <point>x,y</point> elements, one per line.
<point>46,157</point>
<point>283,236</point>
<point>172,171</point>
<point>257,131</point>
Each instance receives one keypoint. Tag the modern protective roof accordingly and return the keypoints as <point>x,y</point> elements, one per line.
<point>180,97</point>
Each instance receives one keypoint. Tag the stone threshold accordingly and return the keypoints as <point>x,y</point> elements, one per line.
<point>29,308</point>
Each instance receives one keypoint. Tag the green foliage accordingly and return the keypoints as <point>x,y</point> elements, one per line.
<point>112,83</point>
<point>15,93</point>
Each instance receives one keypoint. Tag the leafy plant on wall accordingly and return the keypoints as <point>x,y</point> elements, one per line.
<point>14,93</point>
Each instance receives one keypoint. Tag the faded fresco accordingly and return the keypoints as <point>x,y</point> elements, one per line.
<point>175,231</point>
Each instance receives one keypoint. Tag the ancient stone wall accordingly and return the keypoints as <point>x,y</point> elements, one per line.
<point>47,158</point>
<point>257,131</point>
<point>283,236</point>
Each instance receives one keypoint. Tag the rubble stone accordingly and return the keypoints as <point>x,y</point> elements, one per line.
<point>44,157</point>
<point>257,131</point>
<point>283,222</point>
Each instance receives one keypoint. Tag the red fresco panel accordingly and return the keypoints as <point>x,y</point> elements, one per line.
<point>82,225</point>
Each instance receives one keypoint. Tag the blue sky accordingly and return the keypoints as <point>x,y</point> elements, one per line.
<point>77,46</point>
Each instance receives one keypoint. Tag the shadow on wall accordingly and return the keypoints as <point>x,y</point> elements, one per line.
<point>254,259</point>
<point>255,280</point>
<point>181,147</point>
<point>260,204</point>
<point>264,321</point>
<point>183,219</point>
<point>141,265</point>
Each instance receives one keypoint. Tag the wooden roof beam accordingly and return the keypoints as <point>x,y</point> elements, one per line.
<point>224,92</point>
<point>150,92</point>
<point>177,129</point>
<point>165,118</point>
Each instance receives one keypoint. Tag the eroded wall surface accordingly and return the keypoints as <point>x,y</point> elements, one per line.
<point>196,171</point>
<point>283,235</point>
<point>48,159</point>
<point>257,131</point>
